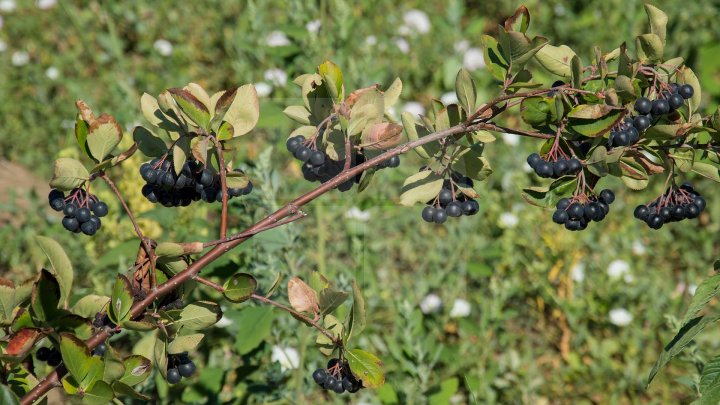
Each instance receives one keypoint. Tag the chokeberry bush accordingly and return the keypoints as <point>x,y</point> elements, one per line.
<point>630,113</point>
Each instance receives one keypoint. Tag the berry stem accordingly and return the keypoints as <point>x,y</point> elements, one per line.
<point>217,287</point>
<point>223,184</point>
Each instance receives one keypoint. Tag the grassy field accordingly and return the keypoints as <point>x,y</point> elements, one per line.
<point>502,307</point>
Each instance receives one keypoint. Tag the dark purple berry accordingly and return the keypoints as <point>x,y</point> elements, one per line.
<point>643,105</point>
<point>686,91</point>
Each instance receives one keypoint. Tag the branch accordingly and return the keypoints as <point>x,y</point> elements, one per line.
<point>217,287</point>
<point>223,184</point>
<point>298,315</point>
<point>289,209</point>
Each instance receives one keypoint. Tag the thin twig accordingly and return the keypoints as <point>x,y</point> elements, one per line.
<point>246,234</point>
<point>138,231</point>
<point>217,287</point>
<point>297,314</point>
<point>223,184</point>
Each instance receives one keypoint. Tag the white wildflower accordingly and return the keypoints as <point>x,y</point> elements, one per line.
<point>460,309</point>
<point>461,46</point>
<point>263,89</point>
<point>277,38</point>
<point>402,45</point>
<point>430,304</point>
<point>474,59</point>
<point>20,58</point>
<point>414,108</point>
<point>313,26</point>
<point>288,357</point>
<point>277,77</point>
<point>638,248</point>
<point>620,317</point>
<point>3,46</point>
<point>508,220</point>
<point>417,21</point>
<point>618,268</point>
<point>371,40</point>
<point>45,4</point>
<point>511,139</point>
<point>163,47</point>
<point>7,6</point>
<point>577,273</point>
<point>358,214</point>
<point>449,98</point>
<point>52,73</point>
<point>692,288</point>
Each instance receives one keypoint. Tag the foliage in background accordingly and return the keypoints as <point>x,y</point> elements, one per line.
<point>542,302</point>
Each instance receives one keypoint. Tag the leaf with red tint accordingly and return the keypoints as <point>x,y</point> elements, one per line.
<point>22,341</point>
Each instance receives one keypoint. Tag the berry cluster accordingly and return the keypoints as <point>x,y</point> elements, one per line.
<point>674,205</point>
<point>337,377</point>
<point>628,132</point>
<point>82,210</point>
<point>179,365</point>
<point>450,202</point>
<point>318,166</point>
<point>193,183</point>
<point>554,168</point>
<point>575,213</point>
<point>51,355</point>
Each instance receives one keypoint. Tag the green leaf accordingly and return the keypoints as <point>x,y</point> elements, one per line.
<point>244,111</point>
<point>518,48</point>
<point>495,61</point>
<point>684,336</point>
<point>707,170</point>
<point>198,316</point>
<point>448,388</point>
<point>298,114</point>
<point>411,128</point>
<point>100,394</point>
<point>7,303</point>
<point>81,133</point>
<point>169,250</point>
<point>593,120</point>
<point>89,305</point>
<point>710,377</point>
<point>420,187</point>
<point>184,343</point>
<point>60,265</point>
<point>465,90</point>
<point>104,135</point>
<point>683,158</point>
<point>471,163</point>
<point>657,20</point>
<point>240,287</point>
<point>649,47</point>
<point>556,59</point>
<point>46,297</point>
<point>148,143</point>
<point>536,111</point>
<point>324,343</point>
<point>68,174</point>
<point>121,300</point>
<point>255,324</point>
<point>332,75</point>
<point>331,299</point>
<point>358,315</point>
<point>576,69</point>
<point>123,390</point>
<point>160,355</point>
<point>687,76</point>
<point>366,367</point>
<point>85,368</point>
<point>547,197</point>
<point>7,397</point>
<point>392,94</point>
<point>192,107</point>
<point>137,369</point>
<point>181,151</point>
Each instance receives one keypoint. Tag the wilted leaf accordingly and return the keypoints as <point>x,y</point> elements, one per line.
<point>104,134</point>
<point>22,341</point>
<point>302,297</point>
<point>382,136</point>
<point>244,112</point>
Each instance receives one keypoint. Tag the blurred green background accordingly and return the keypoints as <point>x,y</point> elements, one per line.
<point>502,307</point>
